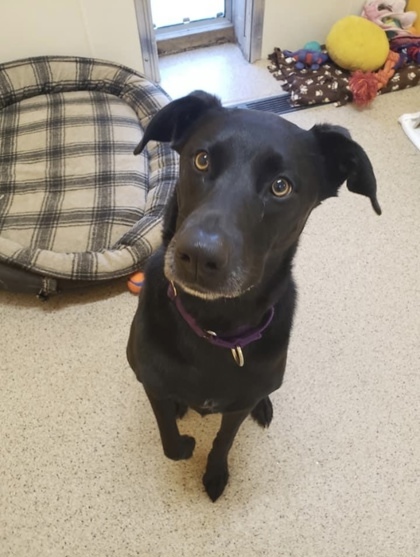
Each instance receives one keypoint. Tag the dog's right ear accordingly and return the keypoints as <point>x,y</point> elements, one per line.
<point>174,120</point>
<point>345,160</point>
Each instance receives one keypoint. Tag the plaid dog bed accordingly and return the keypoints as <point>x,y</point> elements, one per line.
<point>74,202</point>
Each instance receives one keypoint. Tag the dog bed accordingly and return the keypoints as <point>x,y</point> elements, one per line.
<point>76,206</point>
<point>329,83</point>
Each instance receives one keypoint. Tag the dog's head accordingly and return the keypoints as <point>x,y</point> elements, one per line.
<point>248,182</point>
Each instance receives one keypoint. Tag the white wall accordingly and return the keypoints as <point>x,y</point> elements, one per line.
<point>104,29</point>
<point>289,24</point>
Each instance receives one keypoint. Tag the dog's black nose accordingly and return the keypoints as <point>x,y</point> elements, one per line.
<point>200,254</point>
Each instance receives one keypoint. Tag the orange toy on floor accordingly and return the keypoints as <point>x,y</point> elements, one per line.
<point>135,283</point>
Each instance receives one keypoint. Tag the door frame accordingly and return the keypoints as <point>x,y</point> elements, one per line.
<point>248,21</point>
<point>147,37</point>
<point>256,27</point>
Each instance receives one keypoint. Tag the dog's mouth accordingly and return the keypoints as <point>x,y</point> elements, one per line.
<point>198,291</point>
<point>231,285</point>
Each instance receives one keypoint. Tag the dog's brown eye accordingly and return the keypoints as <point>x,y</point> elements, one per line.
<point>281,187</point>
<point>201,161</point>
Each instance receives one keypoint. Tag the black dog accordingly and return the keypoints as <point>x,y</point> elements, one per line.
<point>214,318</point>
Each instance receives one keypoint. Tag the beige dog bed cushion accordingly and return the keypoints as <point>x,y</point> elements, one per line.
<point>75,203</point>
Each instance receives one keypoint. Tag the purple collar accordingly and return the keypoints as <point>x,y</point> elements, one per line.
<point>235,341</point>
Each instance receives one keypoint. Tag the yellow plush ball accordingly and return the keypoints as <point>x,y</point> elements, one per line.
<point>355,43</point>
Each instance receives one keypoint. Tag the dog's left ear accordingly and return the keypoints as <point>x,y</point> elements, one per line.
<point>344,159</point>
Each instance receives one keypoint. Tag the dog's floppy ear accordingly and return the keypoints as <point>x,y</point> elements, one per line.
<point>344,159</point>
<point>172,122</point>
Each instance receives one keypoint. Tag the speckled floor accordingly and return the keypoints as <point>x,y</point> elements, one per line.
<point>337,474</point>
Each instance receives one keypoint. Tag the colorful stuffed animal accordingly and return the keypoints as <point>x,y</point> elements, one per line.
<point>391,16</point>
<point>308,58</point>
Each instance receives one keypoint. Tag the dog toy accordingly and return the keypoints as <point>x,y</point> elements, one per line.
<point>412,54</point>
<point>408,49</point>
<point>315,46</point>
<point>306,58</point>
<point>135,283</point>
<point>365,85</point>
<point>391,16</point>
<point>354,43</point>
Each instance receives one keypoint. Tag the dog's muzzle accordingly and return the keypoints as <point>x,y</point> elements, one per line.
<point>205,264</point>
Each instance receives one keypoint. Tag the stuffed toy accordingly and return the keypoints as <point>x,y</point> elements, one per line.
<point>390,16</point>
<point>408,48</point>
<point>309,57</point>
<point>354,43</point>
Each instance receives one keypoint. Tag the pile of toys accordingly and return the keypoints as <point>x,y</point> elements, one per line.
<point>363,56</point>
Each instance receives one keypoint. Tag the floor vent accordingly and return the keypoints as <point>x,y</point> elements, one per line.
<point>280,104</point>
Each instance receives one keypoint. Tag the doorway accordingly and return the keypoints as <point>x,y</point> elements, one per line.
<point>239,21</point>
<point>188,24</point>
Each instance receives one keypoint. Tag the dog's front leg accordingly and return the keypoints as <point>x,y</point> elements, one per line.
<point>217,472</point>
<point>175,445</point>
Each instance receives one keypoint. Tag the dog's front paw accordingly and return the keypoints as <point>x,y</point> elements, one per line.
<point>215,480</point>
<point>183,450</point>
<point>263,412</point>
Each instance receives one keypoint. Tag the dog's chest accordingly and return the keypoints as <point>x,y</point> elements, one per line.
<point>209,406</point>
<point>173,361</point>
<point>208,379</point>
